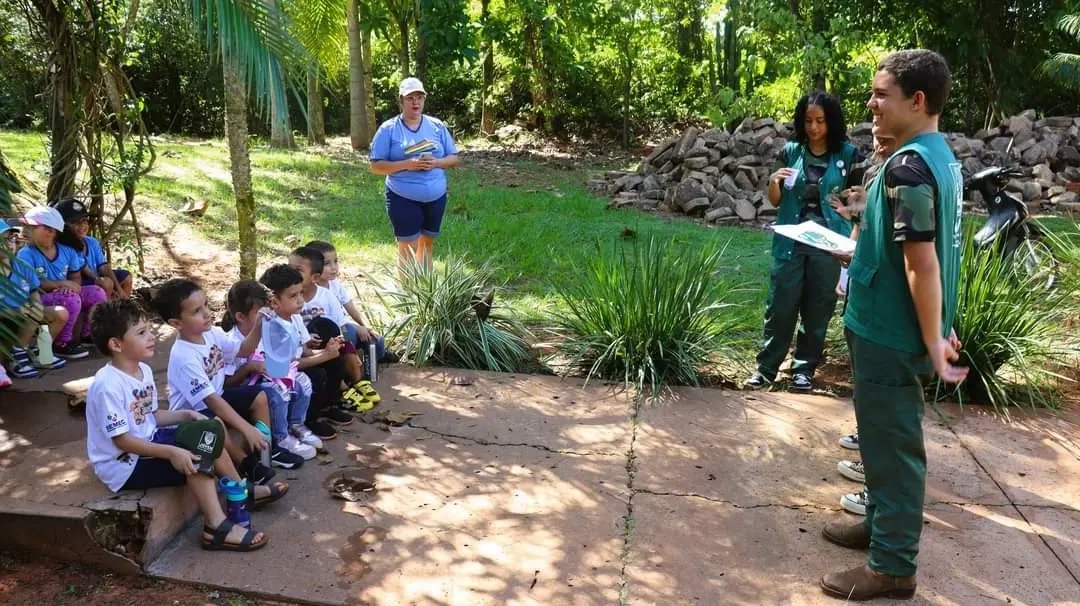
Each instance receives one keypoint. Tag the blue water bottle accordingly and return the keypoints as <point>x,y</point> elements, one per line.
<point>236,502</point>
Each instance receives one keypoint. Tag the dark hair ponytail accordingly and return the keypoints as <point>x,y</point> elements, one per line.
<point>69,238</point>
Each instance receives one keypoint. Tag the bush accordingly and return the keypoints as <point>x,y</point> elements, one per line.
<point>649,315</point>
<point>1014,330</point>
<point>443,316</point>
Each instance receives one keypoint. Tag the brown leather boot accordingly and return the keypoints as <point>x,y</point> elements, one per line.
<point>852,536</point>
<point>861,583</point>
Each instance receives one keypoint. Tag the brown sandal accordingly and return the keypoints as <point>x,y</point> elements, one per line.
<point>277,490</point>
<point>221,533</point>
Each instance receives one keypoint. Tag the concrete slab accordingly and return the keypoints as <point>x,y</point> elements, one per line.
<point>452,521</point>
<point>778,448</point>
<point>1060,528</point>
<point>695,551</point>
<point>501,408</point>
<point>1035,457</point>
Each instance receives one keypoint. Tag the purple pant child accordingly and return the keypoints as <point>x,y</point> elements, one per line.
<point>78,305</point>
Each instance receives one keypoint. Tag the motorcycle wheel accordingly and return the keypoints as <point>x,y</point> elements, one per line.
<point>1033,260</point>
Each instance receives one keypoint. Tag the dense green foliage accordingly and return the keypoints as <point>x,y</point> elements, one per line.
<point>580,67</point>
<point>1015,331</point>
<point>650,314</point>
<point>440,315</point>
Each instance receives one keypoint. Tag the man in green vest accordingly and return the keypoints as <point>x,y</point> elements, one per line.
<point>902,301</point>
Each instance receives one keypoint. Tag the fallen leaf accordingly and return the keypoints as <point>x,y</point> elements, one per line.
<point>324,459</point>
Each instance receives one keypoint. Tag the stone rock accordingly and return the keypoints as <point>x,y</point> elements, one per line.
<point>727,185</point>
<point>720,212</point>
<point>999,144</point>
<point>1023,146</point>
<point>748,160</point>
<point>667,167</point>
<point>628,182</point>
<point>762,122</point>
<point>767,210</point>
<point>743,181</point>
<point>715,135</point>
<point>1072,173</point>
<point>1036,154</point>
<point>1069,154</point>
<point>726,163</point>
<point>715,155</point>
<point>961,147</point>
<point>988,133</point>
<point>722,199</point>
<point>1023,137</point>
<point>687,141</point>
<point>509,132</point>
<point>647,204</point>
<point>1032,190</point>
<point>972,164</point>
<point>861,129</point>
<point>712,171</point>
<point>745,210</point>
<point>660,148</point>
<point>650,182</point>
<point>1055,190</point>
<point>695,162</point>
<point>1069,197</point>
<point>595,186</point>
<point>1042,171</point>
<point>977,146</point>
<point>653,194</point>
<point>695,206</point>
<point>664,157</point>
<point>688,190</point>
<point>697,149</point>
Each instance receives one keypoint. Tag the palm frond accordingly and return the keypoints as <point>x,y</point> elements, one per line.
<point>255,34</point>
<point>319,25</point>
<point>1064,67</point>
<point>1070,24</point>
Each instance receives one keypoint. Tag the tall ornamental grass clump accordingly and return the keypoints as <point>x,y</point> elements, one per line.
<point>1015,330</point>
<point>448,315</point>
<point>651,315</point>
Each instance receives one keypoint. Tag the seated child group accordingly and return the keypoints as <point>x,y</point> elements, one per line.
<point>263,390</point>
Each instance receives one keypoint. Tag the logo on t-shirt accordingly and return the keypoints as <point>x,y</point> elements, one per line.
<point>213,363</point>
<point>141,402</point>
<point>113,421</point>
<point>312,312</point>
<point>196,386</point>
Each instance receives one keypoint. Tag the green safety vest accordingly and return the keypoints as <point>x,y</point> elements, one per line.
<point>880,307</point>
<point>835,177</point>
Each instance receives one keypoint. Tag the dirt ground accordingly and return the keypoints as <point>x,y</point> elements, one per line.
<point>43,582</point>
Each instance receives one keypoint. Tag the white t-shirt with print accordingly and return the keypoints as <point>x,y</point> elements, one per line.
<point>323,304</point>
<point>340,292</point>
<point>197,371</point>
<point>118,404</point>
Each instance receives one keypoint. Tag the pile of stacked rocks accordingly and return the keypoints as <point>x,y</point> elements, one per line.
<point>721,176</point>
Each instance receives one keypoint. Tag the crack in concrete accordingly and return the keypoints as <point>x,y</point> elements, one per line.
<point>694,495</point>
<point>1064,508</point>
<point>628,519</point>
<point>483,442</point>
<point>1013,504</point>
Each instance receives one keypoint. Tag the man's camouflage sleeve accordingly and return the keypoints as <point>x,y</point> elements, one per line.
<point>911,194</point>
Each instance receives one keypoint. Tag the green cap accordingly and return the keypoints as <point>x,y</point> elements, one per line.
<point>204,438</point>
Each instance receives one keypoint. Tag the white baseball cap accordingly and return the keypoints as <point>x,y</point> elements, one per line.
<point>409,86</point>
<point>44,215</point>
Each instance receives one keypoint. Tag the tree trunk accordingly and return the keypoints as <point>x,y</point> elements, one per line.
<point>240,165</point>
<point>487,111</point>
<point>403,50</point>
<point>731,50</point>
<point>421,49</point>
<point>537,72</point>
<point>63,119</point>
<point>359,136</point>
<point>316,132</point>
<point>368,88</point>
<point>281,136</point>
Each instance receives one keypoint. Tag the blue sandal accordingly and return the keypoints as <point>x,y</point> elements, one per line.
<point>221,533</point>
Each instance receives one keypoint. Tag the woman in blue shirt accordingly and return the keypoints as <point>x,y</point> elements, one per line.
<point>412,150</point>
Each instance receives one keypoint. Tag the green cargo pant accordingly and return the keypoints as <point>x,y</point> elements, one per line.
<point>803,287</point>
<point>889,410</point>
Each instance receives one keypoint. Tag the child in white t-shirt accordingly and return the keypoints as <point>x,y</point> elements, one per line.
<point>290,397</point>
<point>197,375</point>
<point>129,440</point>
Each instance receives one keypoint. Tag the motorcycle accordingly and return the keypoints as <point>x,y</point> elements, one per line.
<point>1009,226</point>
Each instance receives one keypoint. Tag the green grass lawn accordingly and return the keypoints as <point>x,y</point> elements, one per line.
<point>537,223</point>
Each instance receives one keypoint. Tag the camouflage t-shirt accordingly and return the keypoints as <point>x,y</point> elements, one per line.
<point>910,191</point>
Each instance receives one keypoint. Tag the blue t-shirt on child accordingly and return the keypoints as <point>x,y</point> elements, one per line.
<point>25,281</point>
<point>93,255</point>
<point>394,141</point>
<point>66,261</point>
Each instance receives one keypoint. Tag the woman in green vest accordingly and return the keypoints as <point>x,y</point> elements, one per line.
<point>812,169</point>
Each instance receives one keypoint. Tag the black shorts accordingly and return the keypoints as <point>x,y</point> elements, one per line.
<point>240,398</point>
<point>150,472</point>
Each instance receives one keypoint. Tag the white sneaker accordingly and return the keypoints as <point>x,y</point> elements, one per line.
<point>298,448</point>
<point>851,442</point>
<point>854,502</point>
<point>852,470</point>
<point>306,436</point>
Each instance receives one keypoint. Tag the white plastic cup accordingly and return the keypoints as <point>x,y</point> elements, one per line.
<point>789,181</point>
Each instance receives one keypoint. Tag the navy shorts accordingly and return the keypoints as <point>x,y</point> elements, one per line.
<point>153,473</point>
<point>411,218</point>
